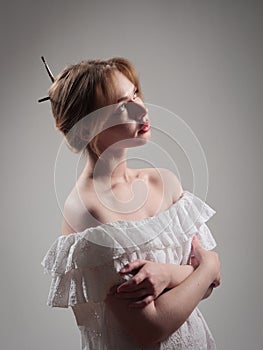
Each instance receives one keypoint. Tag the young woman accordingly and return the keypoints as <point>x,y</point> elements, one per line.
<point>134,258</point>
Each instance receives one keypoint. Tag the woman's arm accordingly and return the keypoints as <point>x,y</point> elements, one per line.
<point>170,310</point>
<point>150,280</point>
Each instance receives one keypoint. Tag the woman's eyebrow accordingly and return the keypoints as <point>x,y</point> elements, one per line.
<point>124,98</point>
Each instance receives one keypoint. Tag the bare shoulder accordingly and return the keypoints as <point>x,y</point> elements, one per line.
<point>169,181</point>
<point>77,216</point>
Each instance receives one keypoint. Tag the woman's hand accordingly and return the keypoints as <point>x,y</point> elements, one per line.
<point>150,280</point>
<point>200,256</point>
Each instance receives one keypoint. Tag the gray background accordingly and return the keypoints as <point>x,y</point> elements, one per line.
<point>201,59</point>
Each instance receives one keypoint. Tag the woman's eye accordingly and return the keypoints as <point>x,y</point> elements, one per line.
<point>135,94</point>
<point>122,108</point>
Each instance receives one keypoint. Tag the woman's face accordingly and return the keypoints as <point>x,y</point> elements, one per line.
<point>128,125</point>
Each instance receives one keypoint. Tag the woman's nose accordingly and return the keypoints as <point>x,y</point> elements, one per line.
<point>136,110</point>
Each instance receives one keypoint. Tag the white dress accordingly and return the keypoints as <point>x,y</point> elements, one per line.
<point>85,265</point>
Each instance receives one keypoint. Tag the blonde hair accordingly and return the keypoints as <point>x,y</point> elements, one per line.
<point>83,88</point>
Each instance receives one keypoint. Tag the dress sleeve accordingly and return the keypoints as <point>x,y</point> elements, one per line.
<point>191,219</point>
<point>81,270</point>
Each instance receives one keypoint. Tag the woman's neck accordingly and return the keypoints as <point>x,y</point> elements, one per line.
<point>111,165</point>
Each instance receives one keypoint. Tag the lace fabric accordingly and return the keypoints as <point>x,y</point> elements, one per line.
<point>85,265</point>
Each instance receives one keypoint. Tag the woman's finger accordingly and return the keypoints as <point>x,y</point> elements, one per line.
<point>142,303</point>
<point>113,290</point>
<point>193,261</point>
<point>198,251</point>
<point>195,243</point>
<point>217,281</point>
<point>133,284</point>
<point>132,295</point>
<point>133,265</point>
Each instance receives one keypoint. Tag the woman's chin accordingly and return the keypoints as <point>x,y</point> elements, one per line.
<point>138,141</point>
<point>131,143</point>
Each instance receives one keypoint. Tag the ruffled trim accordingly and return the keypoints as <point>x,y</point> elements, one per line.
<point>75,261</point>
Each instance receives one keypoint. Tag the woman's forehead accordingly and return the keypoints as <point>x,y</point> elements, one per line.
<point>123,86</point>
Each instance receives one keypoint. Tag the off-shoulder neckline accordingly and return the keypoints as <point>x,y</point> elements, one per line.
<point>149,218</point>
<point>139,222</point>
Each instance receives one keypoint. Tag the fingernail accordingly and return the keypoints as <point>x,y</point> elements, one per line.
<point>124,268</point>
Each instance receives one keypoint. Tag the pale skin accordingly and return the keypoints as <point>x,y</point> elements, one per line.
<point>159,296</point>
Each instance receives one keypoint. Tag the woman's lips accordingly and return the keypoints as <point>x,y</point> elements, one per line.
<point>145,127</point>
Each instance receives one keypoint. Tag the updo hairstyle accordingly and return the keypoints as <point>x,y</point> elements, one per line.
<point>81,89</point>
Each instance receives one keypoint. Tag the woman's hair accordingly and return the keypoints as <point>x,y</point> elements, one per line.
<point>83,88</point>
